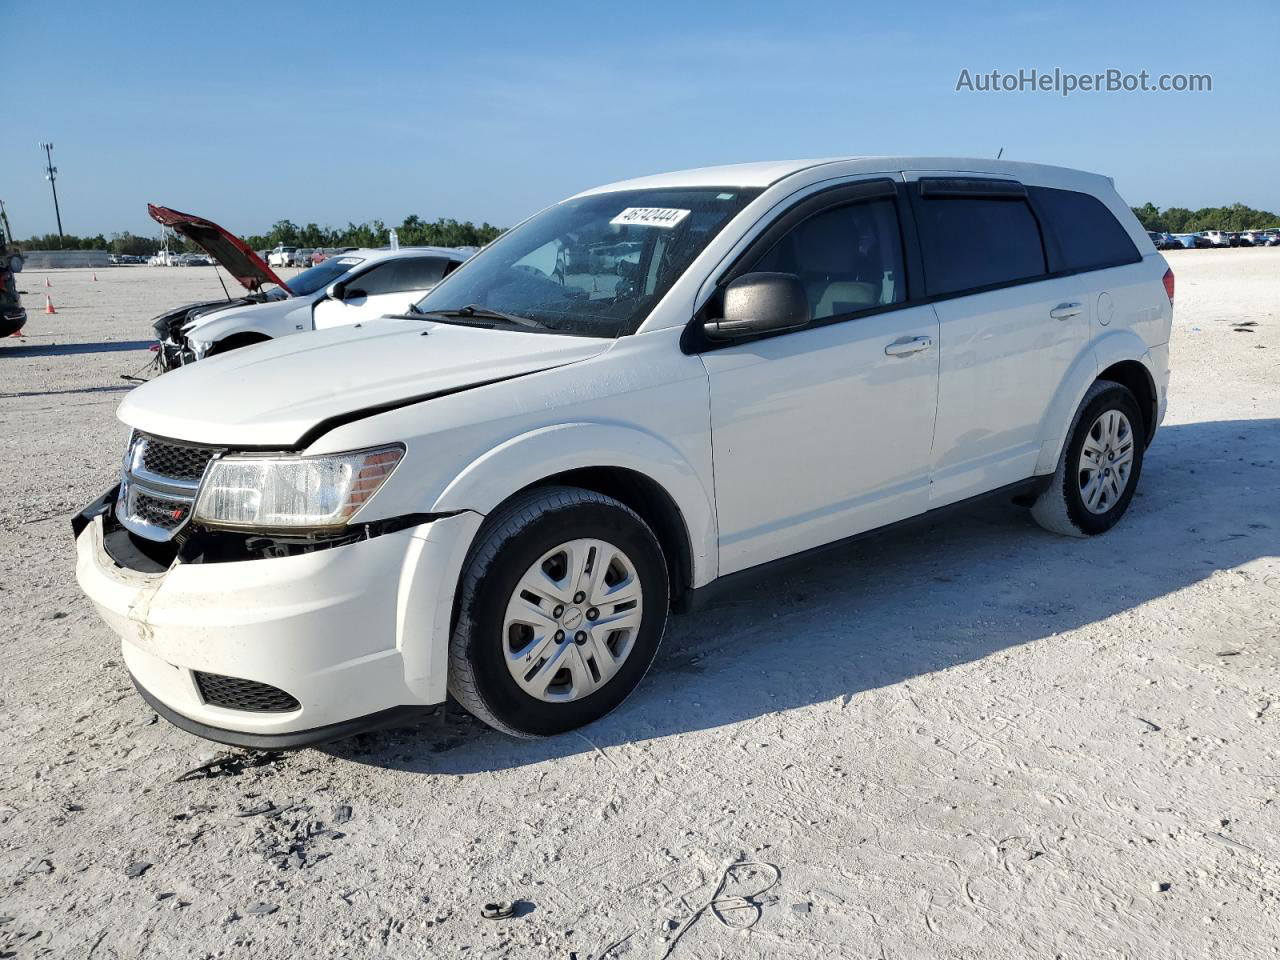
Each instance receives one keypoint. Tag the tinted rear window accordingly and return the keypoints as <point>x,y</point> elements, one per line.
<point>973,242</point>
<point>1088,234</point>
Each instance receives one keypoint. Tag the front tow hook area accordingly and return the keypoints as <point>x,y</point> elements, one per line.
<point>98,508</point>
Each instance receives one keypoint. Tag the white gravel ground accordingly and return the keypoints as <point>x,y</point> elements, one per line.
<point>970,740</point>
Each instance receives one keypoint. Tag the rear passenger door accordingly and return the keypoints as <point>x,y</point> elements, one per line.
<point>1009,331</point>
<point>386,287</point>
<point>1084,237</point>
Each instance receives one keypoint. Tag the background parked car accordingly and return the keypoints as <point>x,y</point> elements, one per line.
<point>279,257</point>
<point>354,286</point>
<point>1217,238</point>
<point>324,253</point>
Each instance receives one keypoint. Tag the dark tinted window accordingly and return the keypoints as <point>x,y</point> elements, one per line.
<point>397,276</point>
<point>849,258</point>
<point>973,242</point>
<point>419,273</point>
<point>1088,234</point>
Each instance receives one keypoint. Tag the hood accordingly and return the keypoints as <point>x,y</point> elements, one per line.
<point>274,394</point>
<point>169,324</point>
<point>227,249</point>
<point>251,309</point>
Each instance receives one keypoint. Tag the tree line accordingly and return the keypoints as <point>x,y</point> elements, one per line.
<point>413,232</point>
<point>446,232</point>
<point>1236,217</point>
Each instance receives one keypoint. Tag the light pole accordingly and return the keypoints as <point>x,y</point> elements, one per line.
<point>51,174</point>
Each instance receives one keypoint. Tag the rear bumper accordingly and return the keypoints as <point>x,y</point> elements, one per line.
<point>357,635</point>
<point>1160,373</point>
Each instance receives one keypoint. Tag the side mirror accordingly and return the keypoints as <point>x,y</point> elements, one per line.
<point>15,263</point>
<point>761,303</point>
<point>336,290</point>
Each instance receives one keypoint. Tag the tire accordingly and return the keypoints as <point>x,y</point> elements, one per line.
<point>573,681</point>
<point>1064,508</point>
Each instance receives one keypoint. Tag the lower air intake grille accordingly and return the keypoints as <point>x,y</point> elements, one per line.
<point>165,514</point>
<point>232,693</point>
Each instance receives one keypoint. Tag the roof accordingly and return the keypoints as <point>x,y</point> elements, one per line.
<point>766,173</point>
<point>759,174</point>
<point>384,253</point>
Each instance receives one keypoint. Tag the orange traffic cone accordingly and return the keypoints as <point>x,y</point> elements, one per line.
<point>48,305</point>
<point>47,283</point>
<point>95,278</point>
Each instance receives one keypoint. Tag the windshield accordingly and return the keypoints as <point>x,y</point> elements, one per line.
<point>594,265</point>
<point>321,275</point>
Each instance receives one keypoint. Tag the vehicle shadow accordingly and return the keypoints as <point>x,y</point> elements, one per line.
<point>889,608</point>
<point>71,349</point>
<point>122,388</point>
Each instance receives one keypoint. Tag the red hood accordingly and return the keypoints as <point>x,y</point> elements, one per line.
<point>228,250</point>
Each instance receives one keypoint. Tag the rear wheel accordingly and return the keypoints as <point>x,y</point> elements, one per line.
<point>1099,467</point>
<point>563,605</point>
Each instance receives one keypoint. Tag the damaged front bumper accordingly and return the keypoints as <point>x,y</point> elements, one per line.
<point>281,651</point>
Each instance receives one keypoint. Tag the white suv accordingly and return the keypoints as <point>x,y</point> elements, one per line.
<point>636,394</point>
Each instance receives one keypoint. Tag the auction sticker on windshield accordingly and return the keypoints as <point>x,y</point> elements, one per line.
<point>649,217</point>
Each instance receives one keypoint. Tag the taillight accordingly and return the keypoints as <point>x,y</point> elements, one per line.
<point>1168,284</point>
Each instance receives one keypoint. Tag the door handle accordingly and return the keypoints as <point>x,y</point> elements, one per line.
<point>906,346</point>
<point>1064,311</point>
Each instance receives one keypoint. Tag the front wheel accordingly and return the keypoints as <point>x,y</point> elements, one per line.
<point>563,605</point>
<point>1099,468</point>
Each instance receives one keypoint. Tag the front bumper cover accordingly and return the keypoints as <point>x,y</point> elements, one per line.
<point>357,634</point>
<point>402,716</point>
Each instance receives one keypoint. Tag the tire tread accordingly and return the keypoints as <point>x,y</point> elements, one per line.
<point>507,522</point>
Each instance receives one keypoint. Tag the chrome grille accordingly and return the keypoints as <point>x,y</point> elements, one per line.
<point>160,483</point>
<point>158,512</point>
<point>173,460</point>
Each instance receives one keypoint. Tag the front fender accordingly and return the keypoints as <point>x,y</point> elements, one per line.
<point>531,457</point>
<point>268,323</point>
<point>1110,348</point>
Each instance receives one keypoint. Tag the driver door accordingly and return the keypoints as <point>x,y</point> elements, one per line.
<point>825,432</point>
<point>386,287</point>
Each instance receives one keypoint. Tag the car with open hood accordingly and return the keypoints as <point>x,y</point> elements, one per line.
<point>358,285</point>
<point>646,391</point>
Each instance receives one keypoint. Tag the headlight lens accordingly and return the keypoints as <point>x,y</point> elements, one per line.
<point>291,492</point>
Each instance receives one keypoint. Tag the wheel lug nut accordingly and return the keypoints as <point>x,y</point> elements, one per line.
<point>579,597</point>
<point>558,610</point>
<point>580,637</point>
<point>559,636</point>
<point>592,613</point>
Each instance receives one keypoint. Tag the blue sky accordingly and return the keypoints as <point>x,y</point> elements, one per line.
<point>252,112</point>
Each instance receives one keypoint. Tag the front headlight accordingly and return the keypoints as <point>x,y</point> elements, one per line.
<point>275,492</point>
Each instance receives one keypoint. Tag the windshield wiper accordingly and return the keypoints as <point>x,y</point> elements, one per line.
<point>477,312</point>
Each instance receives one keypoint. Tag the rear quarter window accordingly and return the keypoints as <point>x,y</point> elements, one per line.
<point>973,242</point>
<point>1088,235</point>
